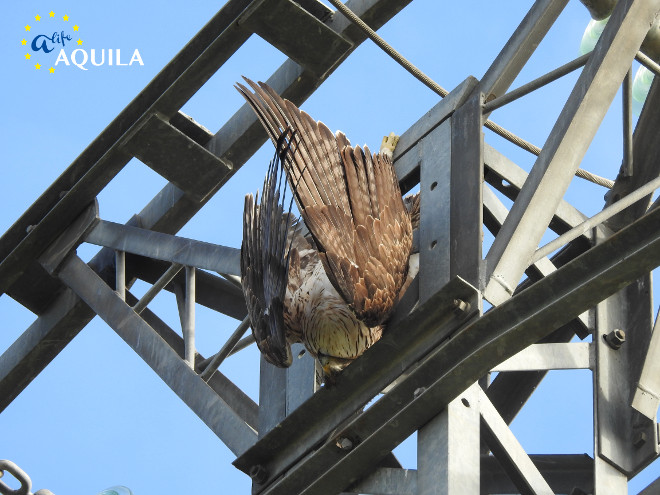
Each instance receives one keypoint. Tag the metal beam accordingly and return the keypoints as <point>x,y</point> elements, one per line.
<point>466,196</point>
<point>211,409</point>
<point>448,449</point>
<point>626,439</point>
<point>434,160</point>
<point>213,292</point>
<point>509,452</point>
<point>447,369</point>
<point>647,389</point>
<point>451,174</point>
<point>652,489</point>
<point>568,141</point>
<point>244,406</point>
<point>508,178</point>
<point>558,356</point>
<point>315,45</point>
<point>520,47</point>
<point>165,247</point>
<point>510,390</point>
<point>387,481</point>
<point>407,155</point>
<point>81,182</point>
<point>563,472</point>
<point>646,149</point>
<point>40,343</point>
<point>165,149</point>
<point>495,214</point>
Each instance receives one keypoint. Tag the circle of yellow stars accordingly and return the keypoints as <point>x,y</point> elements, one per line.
<point>28,28</point>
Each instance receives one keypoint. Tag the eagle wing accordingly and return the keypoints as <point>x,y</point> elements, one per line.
<point>268,232</point>
<point>351,202</point>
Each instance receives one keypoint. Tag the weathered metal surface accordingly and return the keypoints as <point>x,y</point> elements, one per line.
<point>508,451</point>
<point>448,448</point>
<point>80,183</point>
<point>537,83</point>
<point>71,238</point>
<point>388,481</point>
<point>652,489</point>
<point>165,247</point>
<point>494,215</point>
<point>646,148</point>
<point>407,155</point>
<point>508,178</point>
<point>451,177</point>
<point>626,438</point>
<point>520,47</point>
<point>562,472</point>
<point>556,356</point>
<point>153,291</point>
<point>315,45</point>
<point>373,433</point>
<point>173,155</point>
<point>466,198</point>
<point>213,292</point>
<point>40,343</point>
<point>435,221</point>
<point>646,399</point>
<point>244,406</point>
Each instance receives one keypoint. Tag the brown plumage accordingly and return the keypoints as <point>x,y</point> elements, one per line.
<point>337,299</point>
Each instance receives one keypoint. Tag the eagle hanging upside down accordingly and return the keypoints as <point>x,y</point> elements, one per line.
<point>335,292</point>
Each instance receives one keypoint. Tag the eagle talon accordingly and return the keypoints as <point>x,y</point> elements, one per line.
<point>388,145</point>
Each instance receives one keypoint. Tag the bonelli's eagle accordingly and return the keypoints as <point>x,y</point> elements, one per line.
<point>335,290</point>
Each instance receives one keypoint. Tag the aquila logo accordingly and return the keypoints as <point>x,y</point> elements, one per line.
<point>53,42</point>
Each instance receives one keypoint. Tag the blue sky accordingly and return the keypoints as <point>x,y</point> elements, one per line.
<point>98,416</point>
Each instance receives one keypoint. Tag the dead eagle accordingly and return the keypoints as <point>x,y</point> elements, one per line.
<point>335,293</point>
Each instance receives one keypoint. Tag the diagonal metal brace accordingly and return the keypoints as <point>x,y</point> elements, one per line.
<point>211,408</point>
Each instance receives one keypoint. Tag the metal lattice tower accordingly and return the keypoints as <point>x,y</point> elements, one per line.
<point>432,366</point>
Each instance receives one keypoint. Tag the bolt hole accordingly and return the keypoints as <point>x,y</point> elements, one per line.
<point>434,185</point>
<point>301,354</point>
<point>433,244</point>
<point>465,402</point>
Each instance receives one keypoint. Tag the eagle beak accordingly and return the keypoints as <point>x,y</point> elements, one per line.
<point>331,365</point>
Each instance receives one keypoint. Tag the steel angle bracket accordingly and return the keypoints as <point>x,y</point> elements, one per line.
<point>67,242</point>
